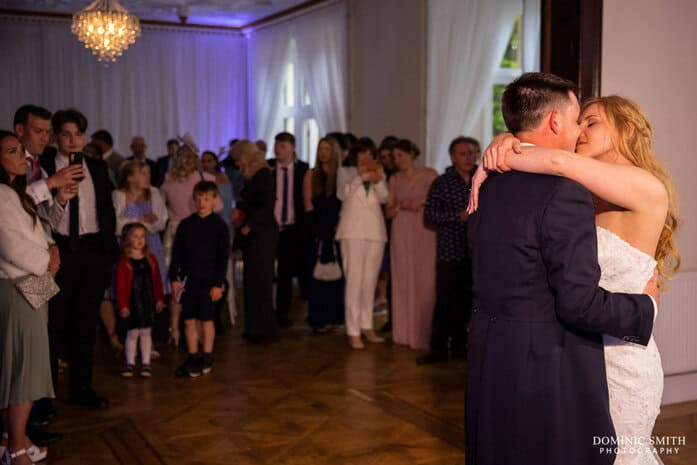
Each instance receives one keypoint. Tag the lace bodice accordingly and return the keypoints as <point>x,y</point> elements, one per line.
<point>634,372</point>
<point>624,268</point>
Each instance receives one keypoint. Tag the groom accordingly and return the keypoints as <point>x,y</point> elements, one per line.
<point>536,387</point>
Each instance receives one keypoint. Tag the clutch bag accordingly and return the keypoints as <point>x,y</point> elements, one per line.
<point>330,271</point>
<point>327,271</point>
<point>37,290</point>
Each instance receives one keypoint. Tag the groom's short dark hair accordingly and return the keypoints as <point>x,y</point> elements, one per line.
<point>527,99</point>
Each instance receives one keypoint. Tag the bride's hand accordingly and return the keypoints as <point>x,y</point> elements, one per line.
<point>499,149</point>
<point>477,180</point>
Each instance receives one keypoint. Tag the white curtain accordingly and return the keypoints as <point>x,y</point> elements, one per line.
<point>169,82</point>
<point>269,51</point>
<point>321,54</point>
<point>466,40</point>
<point>317,42</point>
<point>532,18</point>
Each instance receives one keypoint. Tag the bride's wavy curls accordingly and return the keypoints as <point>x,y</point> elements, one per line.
<point>632,139</point>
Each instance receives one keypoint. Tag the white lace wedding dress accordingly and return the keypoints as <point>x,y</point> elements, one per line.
<point>634,372</point>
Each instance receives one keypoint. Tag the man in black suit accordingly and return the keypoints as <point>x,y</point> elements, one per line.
<point>164,163</point>
<point>536,384</point>
<point>138,148</point>
<point>289,173</point>
<point>86,239</point>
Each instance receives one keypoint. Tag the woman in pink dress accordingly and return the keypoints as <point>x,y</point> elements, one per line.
<point>412,250</point>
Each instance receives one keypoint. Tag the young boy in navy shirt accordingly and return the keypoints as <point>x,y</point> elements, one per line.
<point>197,272</point>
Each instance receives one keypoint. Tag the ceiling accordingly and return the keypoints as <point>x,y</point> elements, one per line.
<point>234,13</point>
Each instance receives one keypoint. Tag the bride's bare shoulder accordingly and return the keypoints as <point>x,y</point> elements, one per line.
<point>655,190</point>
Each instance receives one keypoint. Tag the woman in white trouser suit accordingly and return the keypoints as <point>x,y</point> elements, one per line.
<point>362,235</point>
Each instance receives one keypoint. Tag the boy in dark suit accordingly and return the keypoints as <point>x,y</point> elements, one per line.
<point>197,271</point>
<point>87,243</point>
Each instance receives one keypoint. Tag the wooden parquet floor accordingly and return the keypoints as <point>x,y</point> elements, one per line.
<point>308,400</point>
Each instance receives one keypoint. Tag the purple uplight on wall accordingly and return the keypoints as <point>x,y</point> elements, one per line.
<point>237,20</point>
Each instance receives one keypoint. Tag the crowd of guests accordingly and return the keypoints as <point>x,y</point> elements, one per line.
<point>125,238</point>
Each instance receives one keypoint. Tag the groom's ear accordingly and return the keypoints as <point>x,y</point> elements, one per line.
<point>553,122</point>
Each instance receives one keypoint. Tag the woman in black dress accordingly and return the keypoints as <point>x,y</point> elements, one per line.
<point>257,235</point>
<point>325,309</point>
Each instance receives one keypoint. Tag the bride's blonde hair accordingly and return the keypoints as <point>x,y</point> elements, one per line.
<point>632,139</point>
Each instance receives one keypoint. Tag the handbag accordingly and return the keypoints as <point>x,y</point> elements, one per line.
<point>37,290</point>
<point>330,271</point>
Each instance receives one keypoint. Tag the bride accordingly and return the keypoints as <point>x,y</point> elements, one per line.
<point>636,219</point>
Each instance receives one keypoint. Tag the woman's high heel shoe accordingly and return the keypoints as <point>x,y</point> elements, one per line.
<point>34,453</point>
<point>8,456</point>
<point>356,343</point>
<point>370,336</point>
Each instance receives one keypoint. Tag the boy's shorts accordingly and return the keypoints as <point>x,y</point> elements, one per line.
<point>197,304</point>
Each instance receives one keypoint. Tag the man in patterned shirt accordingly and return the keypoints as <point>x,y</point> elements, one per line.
<point>446,211</point>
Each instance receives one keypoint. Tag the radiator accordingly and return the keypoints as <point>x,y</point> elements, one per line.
<point>675,330</point>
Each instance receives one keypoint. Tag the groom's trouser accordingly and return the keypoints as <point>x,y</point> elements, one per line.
<point>453,305</point>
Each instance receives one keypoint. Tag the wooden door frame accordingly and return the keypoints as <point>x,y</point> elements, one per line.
<point>571,42</point>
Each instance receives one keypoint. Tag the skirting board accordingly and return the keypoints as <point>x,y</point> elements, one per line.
<point>679,388</point>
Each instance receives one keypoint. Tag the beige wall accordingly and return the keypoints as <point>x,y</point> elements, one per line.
<point>387,68</point>
<point>649,56</point>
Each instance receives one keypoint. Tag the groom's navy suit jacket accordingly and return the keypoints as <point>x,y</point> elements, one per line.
<point>536,387</point>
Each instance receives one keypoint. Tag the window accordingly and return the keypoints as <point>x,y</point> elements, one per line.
<point>311,136</point>
<point>289,86</point>
<point>289,124</point>
<point>509,69</point>
<point>525,33</point>
<point>298,115</point>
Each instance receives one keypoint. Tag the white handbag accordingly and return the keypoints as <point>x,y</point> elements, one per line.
<point>330,271</point>
<point>38,290</point>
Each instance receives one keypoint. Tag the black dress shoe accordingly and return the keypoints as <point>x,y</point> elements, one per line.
<point>42,413</point>
<point>89,399</point>
<point>431,357</point>
<point>43,438</point>
<point>38,419</point>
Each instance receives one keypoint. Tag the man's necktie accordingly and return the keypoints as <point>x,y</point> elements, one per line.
<point>74,232</point>
<point>35,169</point>
<point>284,206</point>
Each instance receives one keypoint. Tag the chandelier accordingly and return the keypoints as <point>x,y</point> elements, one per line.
<point>106,28</point>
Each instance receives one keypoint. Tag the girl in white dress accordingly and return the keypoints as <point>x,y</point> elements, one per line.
<point>636,218</point>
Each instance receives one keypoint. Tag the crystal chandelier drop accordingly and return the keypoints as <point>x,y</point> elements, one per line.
<point>106,28</point>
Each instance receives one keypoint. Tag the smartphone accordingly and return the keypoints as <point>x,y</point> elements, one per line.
<point>75,158</point>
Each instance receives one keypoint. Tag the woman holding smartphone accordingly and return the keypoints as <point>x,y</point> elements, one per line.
<point>362,234</point>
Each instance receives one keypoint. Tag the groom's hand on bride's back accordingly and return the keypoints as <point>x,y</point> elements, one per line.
<point>652,286</point>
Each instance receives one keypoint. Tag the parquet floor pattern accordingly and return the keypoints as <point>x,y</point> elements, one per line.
<point>679,420</point>
<point>308,400</point>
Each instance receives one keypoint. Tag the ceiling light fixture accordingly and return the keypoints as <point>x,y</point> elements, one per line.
<point>106,28</point>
